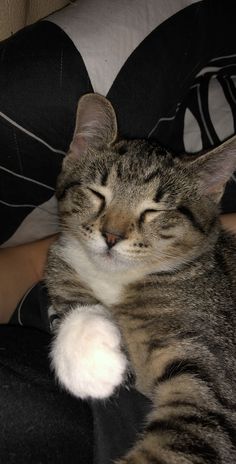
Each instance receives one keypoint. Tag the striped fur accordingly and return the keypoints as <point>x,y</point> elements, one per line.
<point>168,282</point>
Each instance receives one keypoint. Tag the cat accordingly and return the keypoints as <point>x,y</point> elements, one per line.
<point>143,278</point>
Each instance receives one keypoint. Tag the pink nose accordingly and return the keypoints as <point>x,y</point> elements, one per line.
<point>111,239</point>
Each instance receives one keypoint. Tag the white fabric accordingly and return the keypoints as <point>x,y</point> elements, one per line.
<point>222,121</point>
<point>192,133</point>
<point>42,221</point>
<point>106,32</point>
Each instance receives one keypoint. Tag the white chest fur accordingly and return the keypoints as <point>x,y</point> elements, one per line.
<point>107,286</point>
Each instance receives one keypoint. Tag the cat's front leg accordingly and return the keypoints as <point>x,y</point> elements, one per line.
<point>86,353</point>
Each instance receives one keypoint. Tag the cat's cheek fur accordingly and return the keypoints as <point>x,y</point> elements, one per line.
<point>86,353</point>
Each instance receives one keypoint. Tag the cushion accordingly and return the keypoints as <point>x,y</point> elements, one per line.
<point>168,72</point>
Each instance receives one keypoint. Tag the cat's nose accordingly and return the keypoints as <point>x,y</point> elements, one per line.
<point>111,238</point>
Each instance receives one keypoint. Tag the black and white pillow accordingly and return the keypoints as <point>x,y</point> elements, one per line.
<point>169,69</point>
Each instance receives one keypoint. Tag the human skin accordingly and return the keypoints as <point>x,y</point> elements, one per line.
<point>20,268</point>
<point>23,266</point>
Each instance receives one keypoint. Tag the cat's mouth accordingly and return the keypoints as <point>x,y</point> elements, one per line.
<point>111,259</point>
<point>109,254</point>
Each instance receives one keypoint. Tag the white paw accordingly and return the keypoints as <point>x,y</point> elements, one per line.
<point>86,354</point>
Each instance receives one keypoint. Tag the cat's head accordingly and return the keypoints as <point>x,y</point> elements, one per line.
<point>131,204</point>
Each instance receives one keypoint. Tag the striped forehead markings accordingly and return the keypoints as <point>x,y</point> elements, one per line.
<point>151,176</point>
<point>159,195</point>
<point>104,177</point>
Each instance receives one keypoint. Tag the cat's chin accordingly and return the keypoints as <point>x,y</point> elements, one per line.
<point>111,261</point>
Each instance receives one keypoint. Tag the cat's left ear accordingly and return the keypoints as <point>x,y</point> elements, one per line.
<point>96,125</point>
<point>215,168</point>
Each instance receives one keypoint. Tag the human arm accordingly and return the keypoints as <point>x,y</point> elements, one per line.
<point>20,268</point>
<point>229,221</point>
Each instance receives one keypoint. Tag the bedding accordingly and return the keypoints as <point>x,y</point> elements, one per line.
<point>169,69</point>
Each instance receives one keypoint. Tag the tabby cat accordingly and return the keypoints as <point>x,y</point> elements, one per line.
<point>144,278</point>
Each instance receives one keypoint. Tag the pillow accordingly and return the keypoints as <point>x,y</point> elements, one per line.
<point>166,69</point>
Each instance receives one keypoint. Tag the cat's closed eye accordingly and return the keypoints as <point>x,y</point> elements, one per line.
<point>97,194</point>
<point>148,215</point>
<point>98,200</point>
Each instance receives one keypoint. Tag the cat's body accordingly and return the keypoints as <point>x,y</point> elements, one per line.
<point>145,279</point>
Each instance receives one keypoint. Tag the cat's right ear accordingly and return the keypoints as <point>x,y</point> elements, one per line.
<point>96,125</point>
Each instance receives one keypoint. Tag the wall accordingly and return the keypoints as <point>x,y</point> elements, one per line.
<point>15,14</point>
